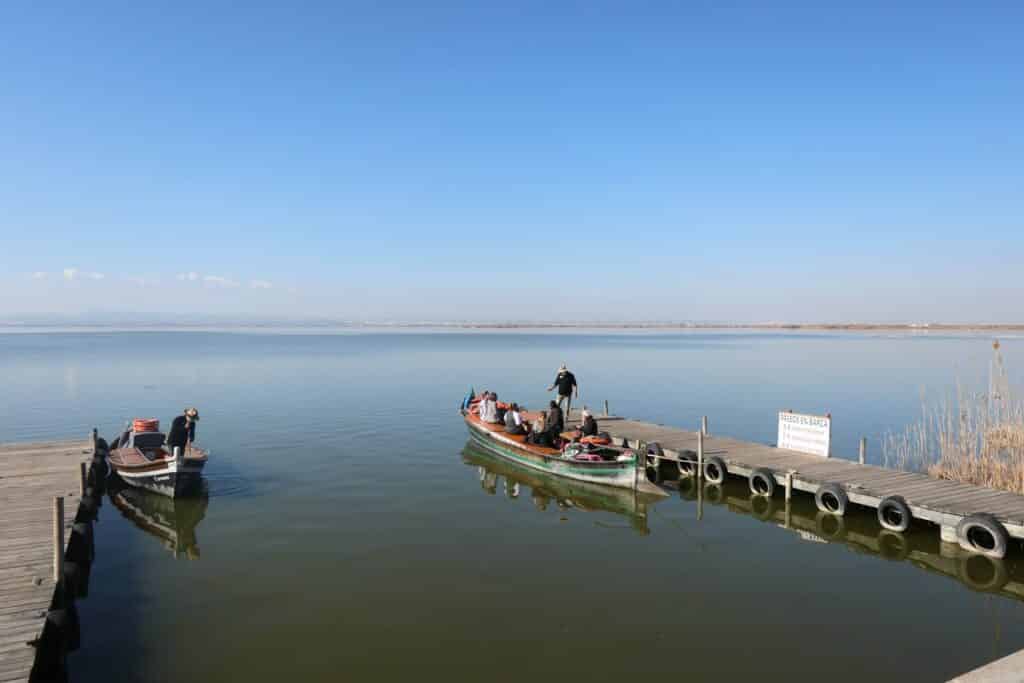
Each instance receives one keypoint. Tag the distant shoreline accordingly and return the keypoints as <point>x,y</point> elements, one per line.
<point>313,326</point>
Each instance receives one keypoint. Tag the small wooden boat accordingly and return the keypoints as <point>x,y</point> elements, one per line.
<point>608,466</point>
<point>141,458</point>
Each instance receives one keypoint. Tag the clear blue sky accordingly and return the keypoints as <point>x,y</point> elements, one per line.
<point>769,161</point>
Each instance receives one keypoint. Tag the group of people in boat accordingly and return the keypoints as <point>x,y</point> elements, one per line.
<point>547,427</point>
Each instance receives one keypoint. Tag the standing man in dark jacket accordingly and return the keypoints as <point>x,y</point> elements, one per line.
<point>566,383</point>
<point>183,430</point>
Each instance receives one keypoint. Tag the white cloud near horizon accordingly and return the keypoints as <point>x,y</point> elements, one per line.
<point>76,274</point>
<point>219,281</point>
<point>190,277</point>
<point>261,284</point>
<point>39,275</point>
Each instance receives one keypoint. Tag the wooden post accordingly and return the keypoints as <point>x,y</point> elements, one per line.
<point>863,449</point>
<point>704,425</point>
<point>700,456</point>
<point>93,438</point>
<point>606,407</point>
<point>789,495</point>
<point>82,478</point>
<point>58,539</point>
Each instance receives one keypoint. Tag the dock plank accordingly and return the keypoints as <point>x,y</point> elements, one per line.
<point>938,499</point>
<point>31,474</point>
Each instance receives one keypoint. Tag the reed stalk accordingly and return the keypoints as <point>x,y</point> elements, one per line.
<point>970,437</point>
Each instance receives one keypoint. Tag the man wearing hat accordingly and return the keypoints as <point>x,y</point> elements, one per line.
<point>566,383</point>
<point>183,430</point>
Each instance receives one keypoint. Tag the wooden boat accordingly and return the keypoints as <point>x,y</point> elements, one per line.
<point>567,493</point>
<point>616,467</point>
<point>141,458</point>
<point>171,520</point>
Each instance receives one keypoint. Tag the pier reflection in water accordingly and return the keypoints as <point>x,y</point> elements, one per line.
<point>565,494</point>
<point>860,532</point>
<point>171,520</point>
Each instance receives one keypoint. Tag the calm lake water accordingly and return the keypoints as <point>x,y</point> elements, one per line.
<point>350,534</point>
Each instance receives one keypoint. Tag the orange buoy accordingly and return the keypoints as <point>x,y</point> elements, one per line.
<point>145,424</point>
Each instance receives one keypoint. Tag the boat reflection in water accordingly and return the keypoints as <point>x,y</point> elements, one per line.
<point>546,489</point>
<point>860,532</point>
<point>172,520</point>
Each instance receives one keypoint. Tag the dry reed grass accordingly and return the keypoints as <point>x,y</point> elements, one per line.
<point>968,438</point>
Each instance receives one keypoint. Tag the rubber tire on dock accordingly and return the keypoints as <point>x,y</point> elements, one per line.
<point>762,482</point>
<point>831,499</point>
<point>715,470</point>
<point>687,464</point>
<point>653,471</point>
<point>984,535</point>
<point>653,459</point>
<point>894,514</point>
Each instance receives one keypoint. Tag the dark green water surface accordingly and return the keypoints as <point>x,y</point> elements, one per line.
<point>350,534</point>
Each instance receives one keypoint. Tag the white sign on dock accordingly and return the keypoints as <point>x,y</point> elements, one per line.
<point>811,434</point>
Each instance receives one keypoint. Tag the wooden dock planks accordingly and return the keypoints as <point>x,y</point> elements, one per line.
<point>30,476</point>
<point>939,501</point>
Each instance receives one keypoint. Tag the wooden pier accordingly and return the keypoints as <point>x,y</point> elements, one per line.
<point>45,548</point>
<point>682,453</point>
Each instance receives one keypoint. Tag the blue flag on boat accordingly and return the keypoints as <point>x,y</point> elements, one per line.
<point>469,398</point>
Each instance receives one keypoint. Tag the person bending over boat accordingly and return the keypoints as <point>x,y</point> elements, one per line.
<point>183,430</point>
<point>514,423</point>
<point>566,383</point>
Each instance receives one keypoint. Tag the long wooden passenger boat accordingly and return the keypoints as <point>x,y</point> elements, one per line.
<point>614,467</point>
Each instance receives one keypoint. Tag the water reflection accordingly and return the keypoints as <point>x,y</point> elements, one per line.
<point>172,520</point>
<point>566,494</point>
<point>859,531</point>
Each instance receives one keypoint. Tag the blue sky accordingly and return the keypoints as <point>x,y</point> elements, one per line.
<point>765,161</point>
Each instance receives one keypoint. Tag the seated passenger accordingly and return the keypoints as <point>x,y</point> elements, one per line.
<point>588,427</point>
<point>539,435</point>
<point>514,420</point>
<point>489,409</point>
<point>556,421</point>
<point>499,409</point>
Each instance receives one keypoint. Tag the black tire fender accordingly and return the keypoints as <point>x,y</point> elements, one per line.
<point>894,514</point>
<point>762,482</point>
<point>687,464</point>
<point>831,499</point>
<point>715,470</point>
<point>984,535</point>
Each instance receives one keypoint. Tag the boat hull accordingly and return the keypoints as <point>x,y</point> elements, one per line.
<point>167,478</point>
<point>618,474</point>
